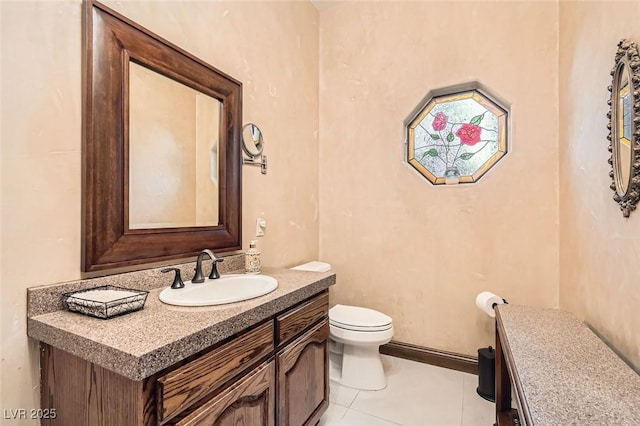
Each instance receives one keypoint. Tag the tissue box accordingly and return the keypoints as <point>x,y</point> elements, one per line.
<point>105,302</point>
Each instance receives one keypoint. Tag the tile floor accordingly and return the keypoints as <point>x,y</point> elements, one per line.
<point>416,395</point>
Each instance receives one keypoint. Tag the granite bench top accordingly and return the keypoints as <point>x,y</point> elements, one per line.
<point>139,344</point>
<point>568,376</point>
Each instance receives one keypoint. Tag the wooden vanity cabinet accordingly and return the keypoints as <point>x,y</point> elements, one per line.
<point>275,373</point>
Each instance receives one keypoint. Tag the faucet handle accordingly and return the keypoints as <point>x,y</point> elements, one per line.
<point>177,279</point>
<point>214,268</point>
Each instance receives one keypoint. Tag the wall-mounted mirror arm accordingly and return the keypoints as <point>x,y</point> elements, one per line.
<point>252,162</point>
<point>253,145</point>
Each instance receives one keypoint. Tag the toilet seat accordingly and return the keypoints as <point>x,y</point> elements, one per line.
<point>360,328</point>
<point>354,337</point>
<point>355,318</point>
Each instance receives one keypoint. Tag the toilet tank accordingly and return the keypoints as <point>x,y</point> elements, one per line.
<point>314,266</point>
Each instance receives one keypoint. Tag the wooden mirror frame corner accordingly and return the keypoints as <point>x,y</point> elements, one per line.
<point>626,56</point>
<point>109,41</point>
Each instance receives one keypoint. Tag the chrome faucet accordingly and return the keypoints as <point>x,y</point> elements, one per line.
<point>199,277</point>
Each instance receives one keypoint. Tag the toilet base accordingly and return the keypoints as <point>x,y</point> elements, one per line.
<point>359,367</point>
<point>335,367</point>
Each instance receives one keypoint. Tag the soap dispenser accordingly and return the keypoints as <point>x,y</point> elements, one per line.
<point>252,259</point>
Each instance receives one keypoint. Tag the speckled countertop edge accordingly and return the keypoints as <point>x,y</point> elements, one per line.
<point>568,375</point>
<point>142,343</point>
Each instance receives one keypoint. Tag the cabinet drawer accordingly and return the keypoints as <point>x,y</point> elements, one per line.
<point>185,385</point>
<point>293,322</point>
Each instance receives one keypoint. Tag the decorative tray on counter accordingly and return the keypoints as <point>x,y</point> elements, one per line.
<point>105,302</point>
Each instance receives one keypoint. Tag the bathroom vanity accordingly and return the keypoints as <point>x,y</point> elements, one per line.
<point>263,361</point>
<point>562,373</point>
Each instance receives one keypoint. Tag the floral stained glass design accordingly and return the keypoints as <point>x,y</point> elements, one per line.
<point>456,138</point>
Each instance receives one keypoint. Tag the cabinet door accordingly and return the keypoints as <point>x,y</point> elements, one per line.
<point>249,402</point>
<point>303,378</point>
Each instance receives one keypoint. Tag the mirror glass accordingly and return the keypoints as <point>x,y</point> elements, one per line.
<point>623,127</point>
<point>173,153</point>
<point>252,141</point>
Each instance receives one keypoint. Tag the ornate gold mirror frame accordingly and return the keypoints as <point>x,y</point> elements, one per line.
<point>624,129</point>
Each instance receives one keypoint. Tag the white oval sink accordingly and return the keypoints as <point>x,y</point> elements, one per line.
<point>226,289</point>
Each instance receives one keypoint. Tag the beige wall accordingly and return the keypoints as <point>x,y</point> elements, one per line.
<point>417,252</point>
<point>272,47</point>
<point>599,249</point>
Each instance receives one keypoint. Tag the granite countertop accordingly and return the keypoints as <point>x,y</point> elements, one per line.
<point>568,375</point>
<point>141,343</point>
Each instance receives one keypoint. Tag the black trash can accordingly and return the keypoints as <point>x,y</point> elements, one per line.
<point>487,373</point>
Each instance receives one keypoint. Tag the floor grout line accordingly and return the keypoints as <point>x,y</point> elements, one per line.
<point>463,397</point>
<point>373,415</point>
<point>354,399</point>
<point>343,414</point>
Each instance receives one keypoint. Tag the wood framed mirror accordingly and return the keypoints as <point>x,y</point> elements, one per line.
<point>161,148</point>
<point>624,129</point>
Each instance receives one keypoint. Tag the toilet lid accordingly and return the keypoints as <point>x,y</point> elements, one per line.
<point>357,318</point>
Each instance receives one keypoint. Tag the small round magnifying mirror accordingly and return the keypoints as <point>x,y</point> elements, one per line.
<point>252,141</point>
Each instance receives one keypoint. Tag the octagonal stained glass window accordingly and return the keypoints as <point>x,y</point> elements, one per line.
<point>457,136</point>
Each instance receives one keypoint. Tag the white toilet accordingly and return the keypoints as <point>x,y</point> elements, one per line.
<point>356,335</point>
